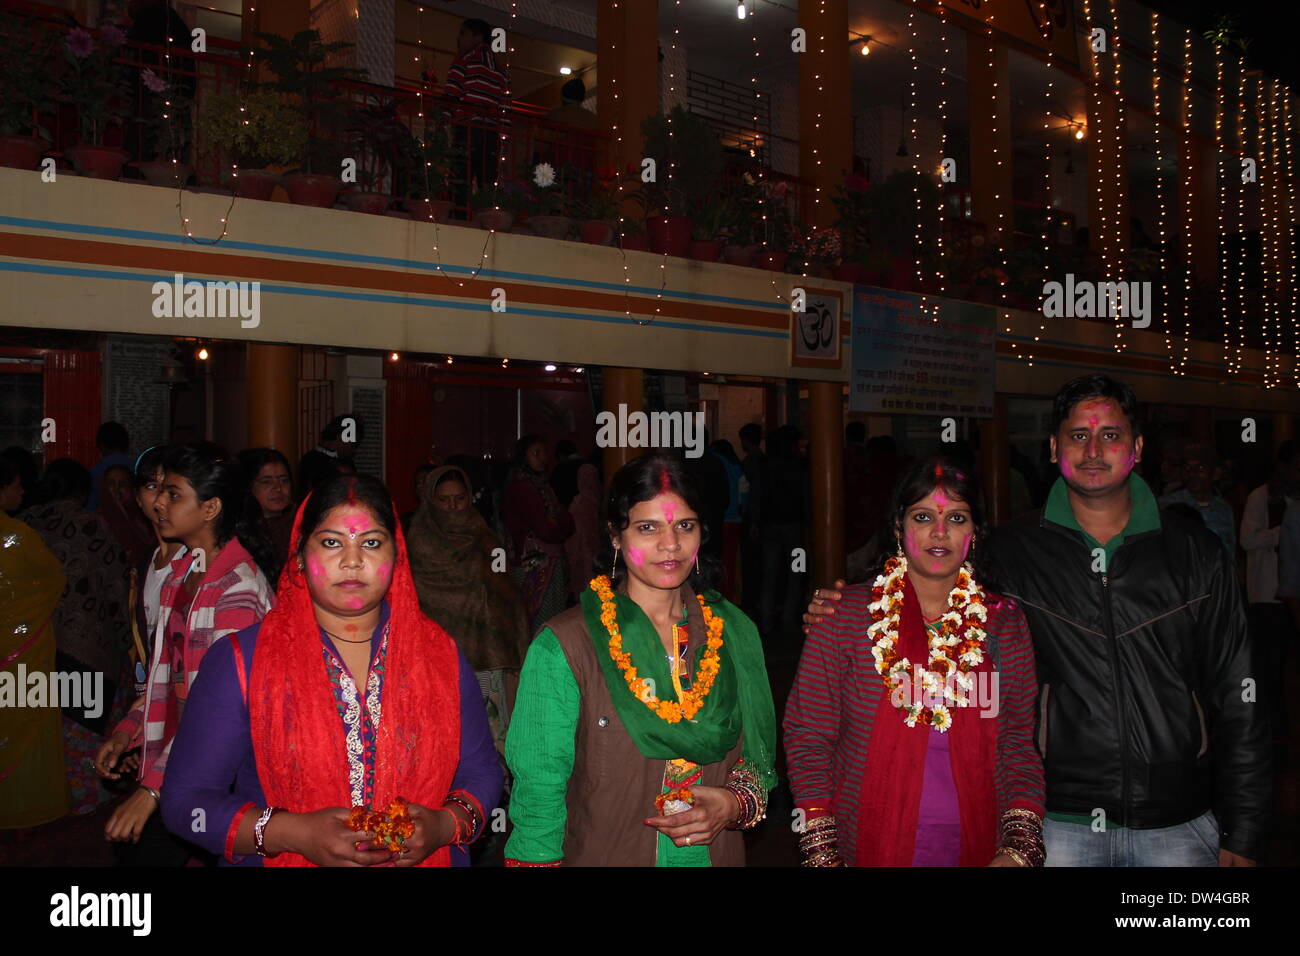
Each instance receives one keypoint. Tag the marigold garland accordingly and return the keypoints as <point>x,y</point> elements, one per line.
<point>681,794</point>
<point>955,650</point>
<point>668,710</point>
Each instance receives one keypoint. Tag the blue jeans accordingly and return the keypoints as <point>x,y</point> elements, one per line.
<point>1194,843</point>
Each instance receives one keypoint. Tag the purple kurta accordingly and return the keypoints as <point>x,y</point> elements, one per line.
<point>214,750</point>
<point>938,823</point>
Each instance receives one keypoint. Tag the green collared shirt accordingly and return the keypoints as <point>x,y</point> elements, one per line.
<point>1145,516</point>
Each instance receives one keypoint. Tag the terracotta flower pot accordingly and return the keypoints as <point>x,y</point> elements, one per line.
<point>22,152</point>
<point>639,243</point>
<point>311,189</point>
<point>739,255</point>
<point>163,172</point>
<point>551,227</point>
<point>429,210</point>
<point>670,234</point>
<point>252,183</point>
<point>498,219</point>
<point>596,231</point>
<point>376,204</point>
<point>706,250</point>
<point>98,162</point>
<point>847,271</point>
<point>773,259</point>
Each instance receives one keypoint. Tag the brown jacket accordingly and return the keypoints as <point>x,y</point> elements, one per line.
<point>613,787</point>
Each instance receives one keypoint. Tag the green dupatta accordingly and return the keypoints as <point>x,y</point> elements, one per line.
<point>740,701</point>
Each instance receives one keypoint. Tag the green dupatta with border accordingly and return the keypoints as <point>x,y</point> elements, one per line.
<point>740,701</point>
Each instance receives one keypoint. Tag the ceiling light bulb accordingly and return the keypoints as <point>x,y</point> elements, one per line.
<point>741,12</point>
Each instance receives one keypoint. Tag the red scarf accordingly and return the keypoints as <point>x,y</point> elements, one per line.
<point>893,778</point>
<point>298,739</point>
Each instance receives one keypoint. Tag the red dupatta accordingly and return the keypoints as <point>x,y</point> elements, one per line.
<point>298,738</point>
<point>893,778</point>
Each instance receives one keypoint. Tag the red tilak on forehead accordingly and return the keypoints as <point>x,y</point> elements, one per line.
<point>664,482</point>
<point>352,493</point>
<point>938,471</point>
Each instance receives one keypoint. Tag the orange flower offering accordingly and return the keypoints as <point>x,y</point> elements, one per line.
<point>391,827</point>
<point>692,700</point>
<point>674,801</point>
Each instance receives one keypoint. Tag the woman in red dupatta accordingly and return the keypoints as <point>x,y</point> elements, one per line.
<point>338,583</point>
<point>909,730</point>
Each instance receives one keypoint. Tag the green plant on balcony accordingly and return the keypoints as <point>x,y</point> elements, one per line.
<point>688,161</point>
<point>303,74</point>
<point>29,54</point>
<point>427,167</point>
<point>509,194</point>
<point>550,187</point>
<point>167,124</point>
<point>714,218</point>
<point>377,137</point>
<point>93,84</point>
<point>600,204</point>
<point>255,129</point>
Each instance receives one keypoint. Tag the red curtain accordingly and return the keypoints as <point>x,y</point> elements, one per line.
<point>73,398</point>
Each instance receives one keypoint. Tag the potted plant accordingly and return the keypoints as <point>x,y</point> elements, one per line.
<point>496,205</point>
<point>598,213</point>
<point>711,225</point>
<point>820,249</point>
<point>776,229</point>
<point>740,247</point>
<point>633,237</point>
<point>166,132</point>
<point>299,65</point>
<point>425,167</point>
<point>379,137</point>
<point>28,54</point>
<point>688,161</point>
<point>254,129</point>
<point>548,218</point>
<point>97,88</point>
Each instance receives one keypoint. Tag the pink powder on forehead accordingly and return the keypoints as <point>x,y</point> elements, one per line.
<point>669,510</point>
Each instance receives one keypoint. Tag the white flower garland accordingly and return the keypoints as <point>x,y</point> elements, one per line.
<point>958,628</point>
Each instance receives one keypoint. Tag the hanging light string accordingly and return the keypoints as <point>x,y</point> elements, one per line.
<point>1289,142</point>
<point>1220,203</point>
<point>941,251</point>
<point>1048,208</point>
<point>1239,188</point>
<point>1118,265</point>
<point>915,153</point>
<point>174,141</point>
<point>1190,191</point>
<point>1271,278</point>
<point>1266,225</point>
<point>1102,226</point>
<point>1162,222</point>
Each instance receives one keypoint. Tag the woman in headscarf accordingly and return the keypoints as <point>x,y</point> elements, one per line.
<point>583,545</point>
<point>33,779</point>
<point>537,526</point>
<point>90,622</point>
<point>132,530</point>
<point>283,731</point>
<point>644,732</point>
<point>452,555</point>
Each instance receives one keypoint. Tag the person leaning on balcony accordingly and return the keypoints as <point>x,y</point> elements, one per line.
<point>644,732</point>
<point>570,111</point>
<point>476,80</point>
<point>898,765</point>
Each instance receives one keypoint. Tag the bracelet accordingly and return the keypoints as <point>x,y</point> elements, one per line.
<point>475,820</point>
<point>1014,855</point>
<point>259,832</point>
<point>153,793</point>
<point>743,784</point>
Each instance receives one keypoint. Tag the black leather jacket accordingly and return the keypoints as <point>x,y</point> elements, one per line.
<point>1143,671</point>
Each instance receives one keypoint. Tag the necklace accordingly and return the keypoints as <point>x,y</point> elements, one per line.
<point>364,640</point>
<point>956,646</point>
<point>689,702</point>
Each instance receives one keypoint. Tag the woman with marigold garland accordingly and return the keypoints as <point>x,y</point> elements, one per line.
<point>909,731</point>
<point>644,730</point>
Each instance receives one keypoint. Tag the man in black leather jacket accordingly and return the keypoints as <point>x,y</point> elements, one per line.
<point>1154,750</point>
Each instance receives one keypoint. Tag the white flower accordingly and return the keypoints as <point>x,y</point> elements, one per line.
<point>959,593</point>
<point>544,174</point>
<point>942,719</point>
<point>978,610</point>
<point>965,681</point>
<point>953,618</point>
<point>913,712</point>
<point>972,657</point>
<point>900,666</point>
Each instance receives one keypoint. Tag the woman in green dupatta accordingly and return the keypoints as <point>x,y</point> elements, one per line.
<point>644,730</point>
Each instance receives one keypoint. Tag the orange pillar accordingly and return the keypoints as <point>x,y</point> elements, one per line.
<point>622,386</point>
<point>825,108</point>
<point>627,42</point>
<point>826,449</point>
<point>988,103</point>
<point>995,463</point>
<point>273,398</point>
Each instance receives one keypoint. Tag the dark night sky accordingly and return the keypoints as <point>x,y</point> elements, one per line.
<point>1266,23</point>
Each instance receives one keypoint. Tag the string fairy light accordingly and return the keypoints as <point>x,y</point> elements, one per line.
<point>915,154</point>
<point>1190,192</point>
<point>1117,264</point>
<point>940,251</point>
<point>1273,274</point>
<point>1220,201</point>
<point>1239,188</point>
<point>1289,142</point>
<point>1266,225</point>
<point>1162,221</point>
<point>1048,207</point>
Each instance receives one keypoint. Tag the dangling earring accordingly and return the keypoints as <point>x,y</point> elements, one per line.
<point>899,552</point>
<point>613,570</point>
<point>697,562</point>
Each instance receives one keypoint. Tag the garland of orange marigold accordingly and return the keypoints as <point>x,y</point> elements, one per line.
<point>692,700</point>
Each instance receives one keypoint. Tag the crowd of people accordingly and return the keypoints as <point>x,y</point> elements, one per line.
<point>320,680</point>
